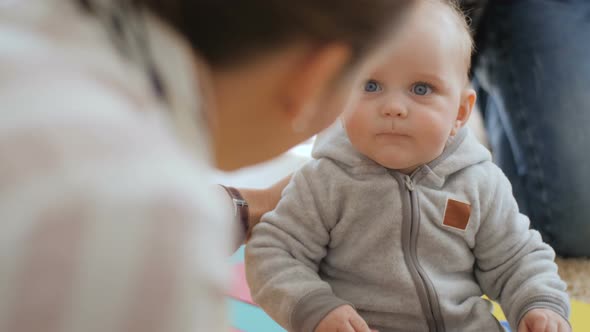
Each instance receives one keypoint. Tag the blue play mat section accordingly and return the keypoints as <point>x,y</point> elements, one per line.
<point>248,318</point>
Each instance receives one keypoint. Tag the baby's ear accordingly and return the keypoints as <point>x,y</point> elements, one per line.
<point>468,98</point>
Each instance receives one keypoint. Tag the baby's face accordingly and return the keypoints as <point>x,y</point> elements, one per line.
<point>410,104</point>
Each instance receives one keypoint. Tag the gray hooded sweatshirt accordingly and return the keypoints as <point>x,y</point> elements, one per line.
<point>409,253</point>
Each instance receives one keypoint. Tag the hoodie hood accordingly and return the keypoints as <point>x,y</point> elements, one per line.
<point>461,151</point>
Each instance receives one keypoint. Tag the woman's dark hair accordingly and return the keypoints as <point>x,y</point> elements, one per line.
<point>229,31</point>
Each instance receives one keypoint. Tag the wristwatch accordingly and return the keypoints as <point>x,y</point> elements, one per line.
<point>240,207</point>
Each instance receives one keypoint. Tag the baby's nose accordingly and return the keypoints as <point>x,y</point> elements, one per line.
<point>394,109</point>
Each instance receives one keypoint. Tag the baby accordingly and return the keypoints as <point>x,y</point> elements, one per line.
<point>402,222</point>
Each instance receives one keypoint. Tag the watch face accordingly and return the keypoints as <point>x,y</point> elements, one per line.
<point>240,202</point>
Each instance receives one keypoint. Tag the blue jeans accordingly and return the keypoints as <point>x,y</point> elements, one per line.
<point>532,73</point>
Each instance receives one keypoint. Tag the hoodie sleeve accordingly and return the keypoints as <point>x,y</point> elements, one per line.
<point>513,265</point>
<point>284,253</point>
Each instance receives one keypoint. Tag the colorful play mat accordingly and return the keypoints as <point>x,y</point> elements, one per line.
<point>247,317</point>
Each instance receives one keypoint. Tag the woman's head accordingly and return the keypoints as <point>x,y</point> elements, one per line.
<point>280,70</point>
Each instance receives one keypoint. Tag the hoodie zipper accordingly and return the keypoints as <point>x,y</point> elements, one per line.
<point>425,288</point>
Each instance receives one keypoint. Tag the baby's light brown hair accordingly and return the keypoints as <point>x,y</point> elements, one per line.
<point>463,29</point>
<point>463,25</point>
<point>466,32</point>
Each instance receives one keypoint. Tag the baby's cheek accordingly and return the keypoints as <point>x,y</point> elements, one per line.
<point>433,145</point>
<point>355,124</point>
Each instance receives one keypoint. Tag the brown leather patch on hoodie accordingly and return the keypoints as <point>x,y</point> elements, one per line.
<point>457,214</point>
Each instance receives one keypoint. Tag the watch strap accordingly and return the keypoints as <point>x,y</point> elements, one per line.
<point>240,207</point>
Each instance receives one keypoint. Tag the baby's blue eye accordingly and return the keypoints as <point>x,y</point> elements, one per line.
<point>421,89</point>
<point>372,86</point>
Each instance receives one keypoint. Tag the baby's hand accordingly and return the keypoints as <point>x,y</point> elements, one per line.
<point>343,319</point>
<point>543,320</point>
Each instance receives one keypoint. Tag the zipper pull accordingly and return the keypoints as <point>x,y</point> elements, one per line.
<point>409,183</point>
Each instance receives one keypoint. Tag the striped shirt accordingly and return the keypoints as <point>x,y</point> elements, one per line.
<point>108,222</point>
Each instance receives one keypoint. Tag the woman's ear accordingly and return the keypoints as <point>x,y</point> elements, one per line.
<point>310,80</point>
<point>468,98</point>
